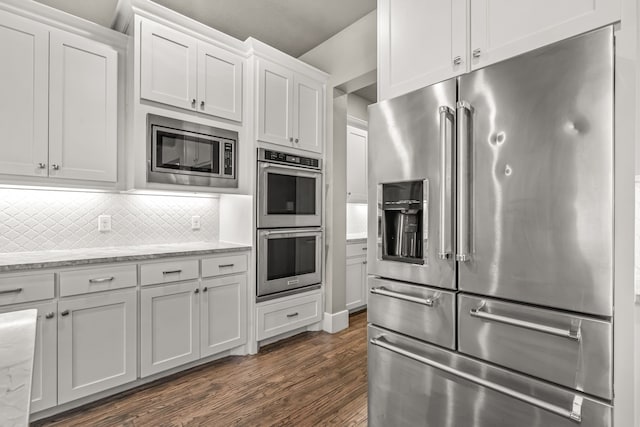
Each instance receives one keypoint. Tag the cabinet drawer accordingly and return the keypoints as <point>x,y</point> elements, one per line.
<point>565,349</point>
<point>219,266</point>
<point>19,289</point>
<point>418,311</point>
<point>284,316</point>
<point>76,282</point>
<point>168,271</point>
<point>356,249</point>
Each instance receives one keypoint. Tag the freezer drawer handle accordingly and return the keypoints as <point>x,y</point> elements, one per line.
<point>572,334</point>
<point>574,414</point>
<point>383,291</point>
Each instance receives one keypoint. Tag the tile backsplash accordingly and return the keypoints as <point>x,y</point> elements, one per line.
<point>33,220</point>
<point>356,218</point>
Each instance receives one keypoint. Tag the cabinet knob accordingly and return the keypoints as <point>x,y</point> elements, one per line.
<point>297,140</point>
<point>202,104</point>
<point>205,289</point>
<point>364,262</point>
<point>457,60</point>
<point>49,315</point>
<point>197,291</point>
<point>65,313</point>
<point>290,139</point>
<point>55,167</point>
<point>42,165</point>
<point>193,102</point>
<point>476,53</point>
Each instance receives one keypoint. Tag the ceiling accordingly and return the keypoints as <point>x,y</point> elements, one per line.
<point>292,26</point>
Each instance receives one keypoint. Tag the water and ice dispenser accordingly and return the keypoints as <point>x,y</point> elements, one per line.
<point>402,221</point>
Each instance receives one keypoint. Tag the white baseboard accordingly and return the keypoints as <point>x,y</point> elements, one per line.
<point>335,322</point>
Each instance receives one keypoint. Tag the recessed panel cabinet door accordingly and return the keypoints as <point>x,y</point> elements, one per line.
<point>275,103</point>
<point>24,85</point>
<point>219,82</point>
<point>223,314</point>
<point>83,103</point>
<point>96,343</point>
<point>169,326</point>
<point>420,42</point>
<point>356,283</point>
<point>503,28</point>
<point>168,72</point>
<point>307,109</point>
<point>357,161</point>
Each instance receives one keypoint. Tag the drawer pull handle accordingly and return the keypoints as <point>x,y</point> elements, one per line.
<point>387,293</point>
<point>102,280</point>
<point>65,313</point>
<point>226,265</point>
<point>573,333</point>
<point>11,291</point>
<point>292,315</point>
<point>172,272</point>
<point>574,414</point>
<point>364,249</point>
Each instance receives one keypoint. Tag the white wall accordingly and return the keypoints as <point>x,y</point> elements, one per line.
<point>357,107</point>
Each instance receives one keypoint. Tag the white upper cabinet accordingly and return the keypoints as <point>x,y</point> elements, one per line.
<point>289,108</point>
<point>83,103</point>
<point>179,70</point>
<point>24,87</point>
<point>357,161</point>
<point>502,29</point>
<point>420,42</point>
<point>168,66</point>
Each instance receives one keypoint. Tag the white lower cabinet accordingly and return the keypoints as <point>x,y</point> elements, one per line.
<point>287,314</point>
<point>96,343</point>
<point>223,314</point>
<point>356,280</point>
<point>169,326</point>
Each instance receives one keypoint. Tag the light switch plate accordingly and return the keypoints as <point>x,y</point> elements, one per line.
<point>104,223</point>
<point>195,222</point>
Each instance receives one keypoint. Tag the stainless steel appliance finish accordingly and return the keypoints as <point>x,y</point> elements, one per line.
<point>187,153</point>
<point>425,313</point>
<point>540,178</point>
<point>289,190</point>
<point>567,349</point>
<point>518,162</point>
<point>289,260</point>
<point>412,383</point>
<point>406,136</point>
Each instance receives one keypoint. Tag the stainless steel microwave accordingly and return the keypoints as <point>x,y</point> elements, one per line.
<point>186,153</point>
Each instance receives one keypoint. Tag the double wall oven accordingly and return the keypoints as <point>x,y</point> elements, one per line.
<point>289,218</point>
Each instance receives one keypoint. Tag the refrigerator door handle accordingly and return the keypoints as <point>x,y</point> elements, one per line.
<point>447,115</point>
<point>572,333</point>
<point>574,414</point>
<point>463,181</point>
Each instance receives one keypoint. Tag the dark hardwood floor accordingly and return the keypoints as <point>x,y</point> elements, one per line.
<point>311,379</point>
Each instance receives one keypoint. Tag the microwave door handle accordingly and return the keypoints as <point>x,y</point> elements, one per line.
<point>447,119</point>
<point>463,181</point>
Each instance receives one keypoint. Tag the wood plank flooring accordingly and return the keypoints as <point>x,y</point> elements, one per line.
<point>312,379</point>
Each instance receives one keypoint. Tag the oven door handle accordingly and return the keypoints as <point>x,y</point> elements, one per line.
<point>299,232</point>
<point>300,171</point>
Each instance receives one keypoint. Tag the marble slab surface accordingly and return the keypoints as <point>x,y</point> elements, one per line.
<point>357,238</point>
<point>20,261</point>
<point>17,344</point>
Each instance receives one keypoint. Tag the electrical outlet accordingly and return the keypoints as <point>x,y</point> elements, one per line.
<point>104,223</point>
<point>195,222</point>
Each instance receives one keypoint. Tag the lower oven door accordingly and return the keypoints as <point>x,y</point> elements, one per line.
<point>412,383</point>
<point>288,259</point>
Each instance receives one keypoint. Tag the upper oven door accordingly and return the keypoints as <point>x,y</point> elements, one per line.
<point>288,196</point>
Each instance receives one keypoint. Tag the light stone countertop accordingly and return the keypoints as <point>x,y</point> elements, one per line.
<point>357,238</point>
<point>17,346</point>
<point>20,261</point>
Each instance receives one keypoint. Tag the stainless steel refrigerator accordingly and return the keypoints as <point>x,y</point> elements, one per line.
<point>491,245</point>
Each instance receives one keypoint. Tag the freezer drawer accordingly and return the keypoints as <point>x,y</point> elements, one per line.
<point>415,384</point>
<point>569,350</point>
<point>425,313</point>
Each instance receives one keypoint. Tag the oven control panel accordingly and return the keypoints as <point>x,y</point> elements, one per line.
<point>289,159</point>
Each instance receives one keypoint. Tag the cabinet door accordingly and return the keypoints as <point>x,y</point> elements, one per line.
<point>420,42</point>
<point>275,103</point>
<point>83,125</point>
<point>355,288</point>
<point>219,82</point>
<point>357,161</point>
<point>96,343</point>
<point>169,326</point>
<point>307,109</point>
<point>223,314</point>
<point>502,29</point>
<point>168,71</point>
<point>24,86</point>
<point>44,377</point>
